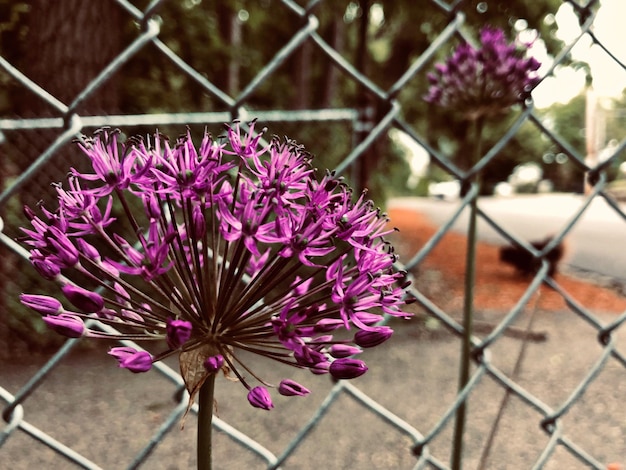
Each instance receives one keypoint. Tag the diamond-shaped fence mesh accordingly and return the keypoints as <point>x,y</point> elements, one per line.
<point>323,73</point>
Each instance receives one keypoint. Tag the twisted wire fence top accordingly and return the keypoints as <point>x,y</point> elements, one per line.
<point>565,414</point>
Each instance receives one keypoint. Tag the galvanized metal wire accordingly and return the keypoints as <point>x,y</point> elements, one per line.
<point>549,419</point>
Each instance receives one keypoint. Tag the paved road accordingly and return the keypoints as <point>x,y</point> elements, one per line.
<point>596,244</point>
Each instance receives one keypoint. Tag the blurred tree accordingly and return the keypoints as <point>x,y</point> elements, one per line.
<point>229,42</point>
<point>568,122</point>
<point>61,46</point>
<point>615,120</point>
<point>57,51</point>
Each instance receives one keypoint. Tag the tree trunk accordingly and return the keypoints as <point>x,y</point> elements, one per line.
<point>337,42</point>
<point>67,44</point>
<point>302,98</point>
<point>364,163</point>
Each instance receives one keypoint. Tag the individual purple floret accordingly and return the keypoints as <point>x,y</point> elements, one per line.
<point>216,251</point>
<point>131,359</point>
<point>259,397</point>
<point>66,324</point>
<point>485,80</point>
<point>347,368</point>
<point>213,363</point>
<point>290,388</point>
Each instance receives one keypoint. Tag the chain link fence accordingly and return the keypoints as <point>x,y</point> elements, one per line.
<point>70,409</point>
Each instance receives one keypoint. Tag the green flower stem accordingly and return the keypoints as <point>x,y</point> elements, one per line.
<point>205,418</point>
<point>468,303</point>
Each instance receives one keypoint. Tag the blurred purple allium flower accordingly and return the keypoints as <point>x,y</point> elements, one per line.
<point>486,80</point>
<point>227,248</point>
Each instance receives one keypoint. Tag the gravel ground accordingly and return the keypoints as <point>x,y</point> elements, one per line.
<point>108,414</point>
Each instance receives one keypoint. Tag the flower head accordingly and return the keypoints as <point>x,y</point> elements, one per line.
<point>484,80</point>
<point>234,246</point>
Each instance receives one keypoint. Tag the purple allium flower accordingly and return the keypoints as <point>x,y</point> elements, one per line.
<point>485,80</point>
<point>339,351</point>
<point>220,250</point>
<point>84,300</point>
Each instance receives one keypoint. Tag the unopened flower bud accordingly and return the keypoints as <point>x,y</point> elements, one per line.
<point>347,368</point>
<point>65,324</point>
<point>88,250</point>
<point>198,223</point>
<point>371,338</point>
<point>131,359</point>
<point>213,363</point>
<point>121,352</point>
<point>178,333</point>
<point>127,314</point>
<point>46,269</point>
<point>42,304</point>
<point>290,388</point>
<point>339,351</point>
<point>259,397</point>
<point>86,301</point>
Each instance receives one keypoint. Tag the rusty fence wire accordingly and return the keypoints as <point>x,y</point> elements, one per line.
<point>64,411</point>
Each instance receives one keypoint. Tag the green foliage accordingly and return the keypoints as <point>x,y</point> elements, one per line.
<point>568,122</point>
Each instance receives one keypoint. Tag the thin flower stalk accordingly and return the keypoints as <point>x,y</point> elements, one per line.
<point>478,82</point>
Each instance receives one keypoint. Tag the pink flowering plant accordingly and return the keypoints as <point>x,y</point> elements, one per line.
<point>484,80</point>
<point>234,246</point>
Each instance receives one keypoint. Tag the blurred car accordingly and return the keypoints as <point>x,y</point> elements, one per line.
<point>447,190</point>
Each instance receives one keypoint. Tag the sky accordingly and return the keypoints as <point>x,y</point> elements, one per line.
<point>609,79</point>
